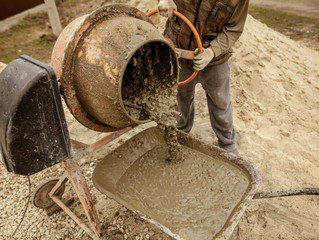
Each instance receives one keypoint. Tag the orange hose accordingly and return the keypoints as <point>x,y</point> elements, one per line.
<point>197,37</point>
<point>188,79</point>
<point>152,13</point>
<point>191,26</point>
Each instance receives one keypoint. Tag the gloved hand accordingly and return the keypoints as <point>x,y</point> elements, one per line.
<point>166,7</point>
<point>201,60</point>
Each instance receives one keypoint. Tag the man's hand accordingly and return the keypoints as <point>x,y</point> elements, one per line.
<point>201,60</point>
<point>166,7</point>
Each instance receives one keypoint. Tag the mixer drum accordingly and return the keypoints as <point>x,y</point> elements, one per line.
<point>91,57</point>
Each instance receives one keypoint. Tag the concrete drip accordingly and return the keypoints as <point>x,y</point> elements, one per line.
<point>147,97</point>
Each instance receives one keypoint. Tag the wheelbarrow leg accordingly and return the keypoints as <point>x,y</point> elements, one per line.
<point>73,174</point>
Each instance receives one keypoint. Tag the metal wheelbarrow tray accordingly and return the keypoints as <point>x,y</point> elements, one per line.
<point>201,198</point>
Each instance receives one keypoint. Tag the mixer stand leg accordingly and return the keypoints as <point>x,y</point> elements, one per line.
<point>79,184</point>
<point>73,174</point>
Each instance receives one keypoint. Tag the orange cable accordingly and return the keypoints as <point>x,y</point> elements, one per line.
<point>197,37</point>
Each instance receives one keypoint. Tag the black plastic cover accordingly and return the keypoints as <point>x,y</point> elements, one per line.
<point>33,129</point>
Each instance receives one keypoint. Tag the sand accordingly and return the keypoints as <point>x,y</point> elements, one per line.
<point>2,66</point>
<point>275,98</point>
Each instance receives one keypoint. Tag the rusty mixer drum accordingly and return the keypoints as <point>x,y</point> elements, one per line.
<point>91,57</point>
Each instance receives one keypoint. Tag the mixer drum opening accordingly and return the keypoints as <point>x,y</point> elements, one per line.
<point>149,72</point>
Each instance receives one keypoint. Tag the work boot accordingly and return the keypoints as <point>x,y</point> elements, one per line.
<point>231,148</point>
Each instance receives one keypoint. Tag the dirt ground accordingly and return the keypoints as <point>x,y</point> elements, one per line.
<point>275,99</point>
<point>304,8</point>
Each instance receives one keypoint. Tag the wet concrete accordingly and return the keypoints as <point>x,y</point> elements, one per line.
<point>193,198</point>
<point>196,199</point>
<point>148,89</point>
<point>149,92</point>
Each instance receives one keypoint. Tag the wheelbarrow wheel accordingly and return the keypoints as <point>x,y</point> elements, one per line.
<point>114,235</point>
<point>41,198</point>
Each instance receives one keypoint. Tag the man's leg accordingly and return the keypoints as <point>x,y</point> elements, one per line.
<point>216,82</point>
<point>185,98</point>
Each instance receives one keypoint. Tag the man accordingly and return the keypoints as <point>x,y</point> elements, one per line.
<point>219,24</point>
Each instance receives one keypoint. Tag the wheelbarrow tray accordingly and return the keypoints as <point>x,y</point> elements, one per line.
<point>202,197</point>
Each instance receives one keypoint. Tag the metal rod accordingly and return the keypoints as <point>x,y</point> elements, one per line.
<point>103,141</point>
<point>79,184</point>
<point>108,138</point>
<point>73,174</point>
<point>74,217</point>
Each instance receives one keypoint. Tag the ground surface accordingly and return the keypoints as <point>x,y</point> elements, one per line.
<point>304,8</point>
<point>275,99</point>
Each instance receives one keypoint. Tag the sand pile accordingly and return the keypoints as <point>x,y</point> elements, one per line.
<point>275,92</point>
<point>2,66</point>
<point>275,96</point>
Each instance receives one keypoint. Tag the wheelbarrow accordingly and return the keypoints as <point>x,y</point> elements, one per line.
<point>201,198</point>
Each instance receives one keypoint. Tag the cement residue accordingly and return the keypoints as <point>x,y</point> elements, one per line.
<point>193,199</point>
<point>149,92</point>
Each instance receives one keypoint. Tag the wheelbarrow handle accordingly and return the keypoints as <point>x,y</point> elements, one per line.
<point>286,193</point>
<point>186,53</point>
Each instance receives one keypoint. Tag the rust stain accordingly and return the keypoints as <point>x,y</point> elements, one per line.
<point>93,48</point>
<point>80,54</point>
<point>108,73</point>
<point>61,44</point>
<point>73,111</point>
<point>95,128</point>
<point>84,27</point>
<point>115,70</point>
<point>98,27</point>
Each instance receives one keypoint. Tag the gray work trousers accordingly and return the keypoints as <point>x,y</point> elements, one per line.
<point>215,81</point>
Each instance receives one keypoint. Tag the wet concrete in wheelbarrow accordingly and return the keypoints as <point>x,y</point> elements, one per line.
<point>199,198</point>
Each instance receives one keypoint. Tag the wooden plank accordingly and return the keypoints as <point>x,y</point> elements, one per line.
<point>53,17</point>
